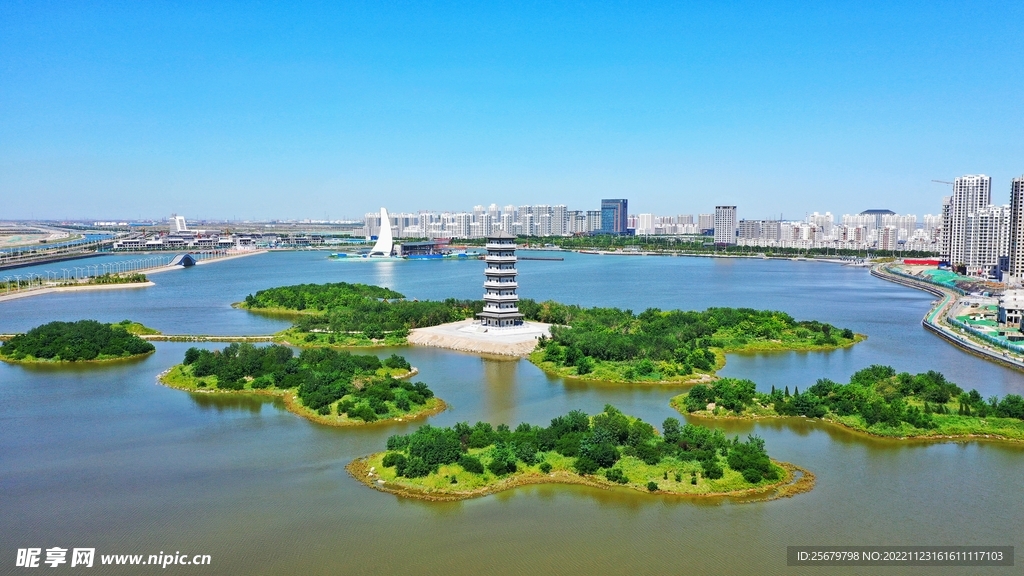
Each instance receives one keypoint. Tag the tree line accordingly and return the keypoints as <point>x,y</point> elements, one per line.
<point>325,380</point>
<point>877,394</point>
<point>75,342</point>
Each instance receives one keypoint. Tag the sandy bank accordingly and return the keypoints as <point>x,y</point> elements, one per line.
<point>465,336</point>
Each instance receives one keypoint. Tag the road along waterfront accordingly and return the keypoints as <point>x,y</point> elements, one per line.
<point>935,320</point>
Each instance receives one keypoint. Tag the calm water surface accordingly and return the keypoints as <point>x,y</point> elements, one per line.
<point>107,458</point>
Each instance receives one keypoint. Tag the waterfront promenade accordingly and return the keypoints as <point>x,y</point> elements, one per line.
<point>38,286</point>
<point>935,320</point>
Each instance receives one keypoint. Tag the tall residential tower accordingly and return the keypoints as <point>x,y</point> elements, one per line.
<point>725,224</point>
<point>971,193</point>
<point>1017,229</point>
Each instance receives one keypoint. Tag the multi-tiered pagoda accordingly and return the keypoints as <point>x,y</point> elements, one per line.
<point>501,303</point>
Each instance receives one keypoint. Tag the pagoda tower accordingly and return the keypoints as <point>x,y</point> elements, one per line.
<point>501,303</point>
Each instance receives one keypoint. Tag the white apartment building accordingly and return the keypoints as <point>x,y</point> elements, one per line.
<point>971,193</point>
<point>823,222</point>
<point>725,224</point>
<point>988,238</point>
<point>888,238</point>
<point>705,221</point>
<point>645,224</point>
<point>559,220</point>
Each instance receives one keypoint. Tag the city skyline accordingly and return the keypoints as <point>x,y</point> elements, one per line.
<point>216,113</point>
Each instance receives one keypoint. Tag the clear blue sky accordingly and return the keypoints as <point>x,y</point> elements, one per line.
<point>303,111</point>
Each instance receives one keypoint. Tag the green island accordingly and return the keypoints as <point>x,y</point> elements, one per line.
<point>342,314</point>
<point>602,344</point>
<point>609,344</point>
<point>610,449</point>
<point>876,401</point>
<point>321,384</point>
<point>80,342</point>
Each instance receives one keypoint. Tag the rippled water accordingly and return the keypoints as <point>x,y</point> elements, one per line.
<point>106,458</point>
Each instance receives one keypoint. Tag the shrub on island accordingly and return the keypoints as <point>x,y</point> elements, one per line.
<point>877,399</point>
<point>609,446</point>
<point>81,341</point>
<point>325,381</point>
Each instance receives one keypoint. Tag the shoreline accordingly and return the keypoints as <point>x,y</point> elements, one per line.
<point>66,363</point>
<point>82,288</point>
<point>787,487</point>
<point>291,401</point>
<point>932,320</point>
<point>969,437</point>
<point>87,287</point>
<point>690,379</point>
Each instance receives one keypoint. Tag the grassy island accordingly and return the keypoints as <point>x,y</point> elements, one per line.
<point>81,341</point>
<point>668,346</point>
<point>343,314</point>
<point>876,401</point>
<point>324,385</point>
<point>606,450</point>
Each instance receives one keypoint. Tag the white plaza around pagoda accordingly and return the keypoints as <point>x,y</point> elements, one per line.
<point>499,329</point>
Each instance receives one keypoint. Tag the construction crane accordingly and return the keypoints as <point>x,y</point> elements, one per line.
<point>943,182</point>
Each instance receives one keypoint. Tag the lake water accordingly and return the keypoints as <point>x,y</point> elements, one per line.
<point>106,458</point>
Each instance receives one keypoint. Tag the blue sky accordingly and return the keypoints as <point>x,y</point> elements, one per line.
<point>300,110</point>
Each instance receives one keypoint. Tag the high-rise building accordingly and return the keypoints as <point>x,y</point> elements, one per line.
<point>507,219</point>
<point>750,229</point>
<point>461,225</point>
<point>971,193</point>
<point>823,222</point>
<point>593,221</point>
<point>522,215</point>
<point>577,222</point>
<point>1016,239</point>
<point>684,219</point>
<point>705,222</point>
<point>645,224</point>
<point>559,220</point>
<point>988,235</point>
<point>614,216</point>
<point>544,224</point>
<point>888,238</point>
<point>725,224</point>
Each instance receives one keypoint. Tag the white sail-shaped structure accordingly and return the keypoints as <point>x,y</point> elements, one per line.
<point>385,243</point>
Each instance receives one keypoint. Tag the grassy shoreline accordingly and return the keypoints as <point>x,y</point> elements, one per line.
<point>950,427</point>
<point>32,361</point>
<point>177,377</point>
<point>370,471</point>
<point>294,337</point>
<point>615,372</point>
